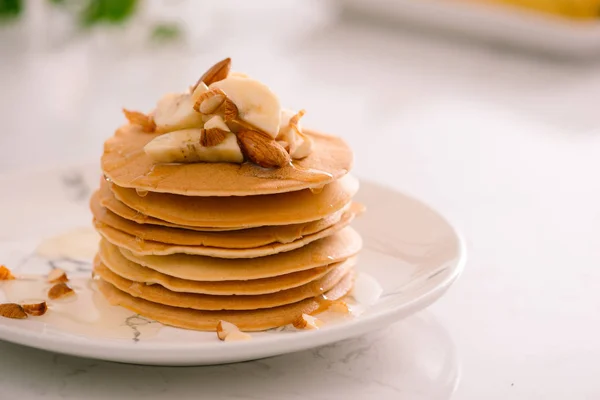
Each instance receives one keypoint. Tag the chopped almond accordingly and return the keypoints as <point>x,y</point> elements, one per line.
<point>306,321</point>
<point>12,310</point>
<point>208,102</point>
<point>339,306</point>
<point>216,73</point>
<point>228,332</point>
<point>137,118</point>
<point>212,137</point>
<point>5,274</point>
<point>237,336</point>
<point>60,291</point>
<point>35,309</point>
<point>57,275</point>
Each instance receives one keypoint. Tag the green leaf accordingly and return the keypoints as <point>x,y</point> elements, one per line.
<point>110,11</point>
<point>165,32</point>
<point>10,8</point>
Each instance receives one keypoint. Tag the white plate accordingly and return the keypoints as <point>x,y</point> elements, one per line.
<point>413,252</point>
<point>492,22</point>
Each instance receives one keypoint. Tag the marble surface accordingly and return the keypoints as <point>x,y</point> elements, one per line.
<point>504,143</point>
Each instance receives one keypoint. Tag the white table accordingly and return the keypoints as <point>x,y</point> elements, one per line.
<point>506,145</point>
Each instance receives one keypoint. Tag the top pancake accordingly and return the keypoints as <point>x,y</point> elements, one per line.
<point>126,164</point>
<point>240,212</point>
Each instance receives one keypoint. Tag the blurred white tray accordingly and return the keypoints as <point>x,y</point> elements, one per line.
<point>489,22</point>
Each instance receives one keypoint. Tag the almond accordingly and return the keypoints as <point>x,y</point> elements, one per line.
<point>306,321</point>
<point>262,149</point>
<point>216,73</point>
<point>230,110</point>
<point>209,102</point>
<point>206,118</point>
<point>212,137</point>
<point>296,119</point>
<point>35,309</point>
<point>339,306</point>
<point>5,274</point>
<point>285,145</point>
<point>57,275</point>
<point>236,336</point>
<point>12,310</point>
<point>224,328</point>
<point>146,122</point>
<point>60,291</point>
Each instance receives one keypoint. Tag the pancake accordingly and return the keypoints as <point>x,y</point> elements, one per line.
<point>234,212</point>
<point>112,258</point>
<point>161,295</point>
<point>149,248</point>
<point>126,164</point>
<point>338,247</point>
<point>107,199</point>
<point>240,239</point>
<point>247,320</point>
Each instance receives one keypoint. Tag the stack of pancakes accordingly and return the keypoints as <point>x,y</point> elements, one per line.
<point>191,244</point>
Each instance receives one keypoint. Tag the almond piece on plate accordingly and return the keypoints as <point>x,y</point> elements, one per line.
<point>306,321</point>
<point>12,310</point>
<point>339,306</point>
<point>228,332</point>
<point>35,309</point>
<point>236,336</point>
<point>57,275</point>
<point>5,274</point>
<point>60,291</point>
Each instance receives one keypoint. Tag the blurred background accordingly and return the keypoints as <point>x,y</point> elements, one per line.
<point>488,110</point>
<point>371,71</point>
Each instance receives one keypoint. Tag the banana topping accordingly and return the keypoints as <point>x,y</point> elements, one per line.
<point>174,112</point>
<point>256,103</point>
<point>185,146</point>
<point>225,117</point>
<point>299,145</point>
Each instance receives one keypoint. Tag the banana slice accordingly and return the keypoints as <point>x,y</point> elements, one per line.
<point>216,122</point>
<point>175,112</point>
<point>201,88</point>
<point>184,146</point>
<point>256,103</point>
<point>300,145</point>
<point>238,74</point>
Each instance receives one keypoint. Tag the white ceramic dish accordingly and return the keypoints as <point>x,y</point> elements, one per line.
<point>491,22</point>
<point>413,252</point>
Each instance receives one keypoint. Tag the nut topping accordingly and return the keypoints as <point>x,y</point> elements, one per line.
<point>262,149</point>
<point>216,73</point>
<point>12,310</point>
<point>146,122</point>
<point>230,110</point>
<point>212,137</point>
<point>208,102</point>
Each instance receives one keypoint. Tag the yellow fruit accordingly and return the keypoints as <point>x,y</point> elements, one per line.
<point>577,9</point>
